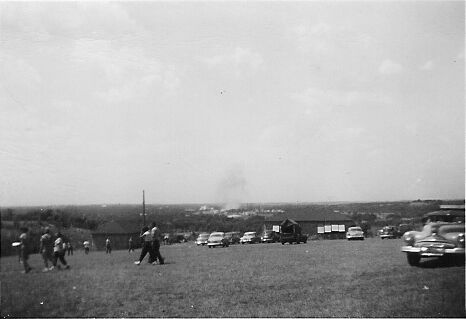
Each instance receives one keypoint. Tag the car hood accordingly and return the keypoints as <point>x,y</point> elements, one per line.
<point>438,232</point>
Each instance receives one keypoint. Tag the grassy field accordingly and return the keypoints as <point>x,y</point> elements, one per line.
<point>336,278</point>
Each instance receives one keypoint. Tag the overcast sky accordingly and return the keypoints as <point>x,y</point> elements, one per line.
<point>231,102</point>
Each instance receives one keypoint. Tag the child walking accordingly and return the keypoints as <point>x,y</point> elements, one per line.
<point>24,250</point>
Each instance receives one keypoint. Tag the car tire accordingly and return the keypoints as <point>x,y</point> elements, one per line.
<point>413,259</point>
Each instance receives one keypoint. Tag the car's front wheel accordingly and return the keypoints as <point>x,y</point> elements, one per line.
<point>413,259</point>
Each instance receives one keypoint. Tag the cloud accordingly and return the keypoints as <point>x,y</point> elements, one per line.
<point>388,67</point>
<point>429,65</point>
<point>241,60</point>
<point>21,82</point>
<point>323,38</point>
<point>68,20</point>
<point>129,72</point>
<point>319,102</point>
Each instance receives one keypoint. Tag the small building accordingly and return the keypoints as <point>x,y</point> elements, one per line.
<point>313,222</point>
<point>118,233</point>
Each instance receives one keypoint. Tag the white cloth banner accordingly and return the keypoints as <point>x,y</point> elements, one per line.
<point>320,229</point>
<point>334,227</point>
<point>328,228</point>
<point>341,228</point>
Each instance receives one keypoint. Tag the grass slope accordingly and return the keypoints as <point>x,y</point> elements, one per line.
<point>335,278</point>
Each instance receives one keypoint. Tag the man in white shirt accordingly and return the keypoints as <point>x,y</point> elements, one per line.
<point>146,237</point>
<point>108,246</point>
<point>156,237</point>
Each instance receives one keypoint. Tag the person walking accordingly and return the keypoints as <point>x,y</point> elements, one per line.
<point>156,237</point>
<point>108,246</point>
<point>146,245</point>
<point>25,248</point>
<point>130,245</point>
<point>69,248</point>
<point>46,249</point>
<point>59,251</point>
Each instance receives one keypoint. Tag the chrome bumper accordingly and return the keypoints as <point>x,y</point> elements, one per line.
<point>432,252</point>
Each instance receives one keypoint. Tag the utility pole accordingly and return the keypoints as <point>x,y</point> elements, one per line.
<point>143,208</point>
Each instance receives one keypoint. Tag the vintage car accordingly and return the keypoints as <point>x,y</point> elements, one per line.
<point>441,236</point>
<point>202,239</point>
<point>403,228</point>
<point>388,232</point>
<point>269,236</point>
<point>250,238</point>
<point>175,238</point>
<point>233,237</point>
<point>217,239</point>
<point>355,233</point>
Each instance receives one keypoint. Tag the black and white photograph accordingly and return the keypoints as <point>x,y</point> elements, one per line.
<point>232,159</point>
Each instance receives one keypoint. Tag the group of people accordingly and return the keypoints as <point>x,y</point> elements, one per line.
<point>151,237</point>
<point>52,249</point>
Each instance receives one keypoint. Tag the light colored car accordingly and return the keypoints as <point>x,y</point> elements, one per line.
<point>441,236</point>
<point>250,238</point>
<point>217,239</point>
<point>355,233</point>
<point>202,239</point>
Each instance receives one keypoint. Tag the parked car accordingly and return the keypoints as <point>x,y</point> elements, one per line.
<point>202,239</point>
<point>403,228</point>
<point>174,238</point>
<point>250,238</point>
<point>269,236</point>
<point>217,239</point>
<point>389,232</point>
<point>355,233</point>
<point>442,235</point>
<point>233,237</point>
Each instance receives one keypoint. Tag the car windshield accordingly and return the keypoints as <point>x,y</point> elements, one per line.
<point>444,218</point>
<point>355,229</point>
<point>203,235</point>
<point>250,234</point>
<point>216,235</point>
